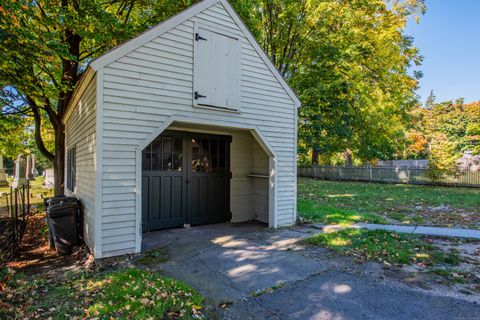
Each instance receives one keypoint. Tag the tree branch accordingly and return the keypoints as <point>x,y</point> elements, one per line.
<point>52,77</point>
<point>128,12</point>
<point>17,112</point>
<point>90,53</point>
<point>52,116</point>
<point>38,131</point>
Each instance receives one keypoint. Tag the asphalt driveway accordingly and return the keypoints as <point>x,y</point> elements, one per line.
<point>248,272</point>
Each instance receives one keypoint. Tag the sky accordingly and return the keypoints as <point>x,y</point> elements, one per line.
<point>448,37</point>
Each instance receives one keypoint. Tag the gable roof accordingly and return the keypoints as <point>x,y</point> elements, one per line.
<point>165,26</point>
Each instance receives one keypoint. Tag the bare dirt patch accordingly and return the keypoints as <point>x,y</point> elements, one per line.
<point>457,277</point>
<point>435,216</point>
<point>442,266</point>
<point>36,257</point>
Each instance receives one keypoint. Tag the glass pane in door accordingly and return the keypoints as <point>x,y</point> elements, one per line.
<point>177,161</point>
<point>157,154</point>
<point>147,159</point>
<point>167,154</point>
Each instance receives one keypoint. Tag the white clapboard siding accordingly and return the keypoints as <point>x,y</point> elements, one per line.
<point>154,82</point>
<point>80,133</point>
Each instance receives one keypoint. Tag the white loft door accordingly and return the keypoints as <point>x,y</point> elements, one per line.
<point>217,69</point>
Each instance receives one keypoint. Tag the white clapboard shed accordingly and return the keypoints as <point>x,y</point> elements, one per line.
<point>189,123</point>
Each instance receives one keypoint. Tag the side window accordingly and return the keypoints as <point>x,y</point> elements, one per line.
<point>216,69</point>
<point>71,169</point>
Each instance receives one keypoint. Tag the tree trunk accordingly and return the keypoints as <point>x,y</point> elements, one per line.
<point>59,160</point>
<point>314,157</point>
<point>348,157</point>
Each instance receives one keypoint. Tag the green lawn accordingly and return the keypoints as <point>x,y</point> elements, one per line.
<point>339,202</point>
<point>344,202</point>
<point>37,193</point>
<point>6,188</point>
<point>124,294</point>
<point>384,246</point>
<point>315,211</point>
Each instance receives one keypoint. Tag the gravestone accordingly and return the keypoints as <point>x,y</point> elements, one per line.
<point>3,176</point>
<point>30,167</point>
<point>49,178</point>
<point>34,168</point>
<point>20,172</point>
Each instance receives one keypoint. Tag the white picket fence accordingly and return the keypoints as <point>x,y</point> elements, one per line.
<point>409,175</point>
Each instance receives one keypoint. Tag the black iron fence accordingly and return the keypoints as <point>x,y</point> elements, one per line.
<point>409,175</point>
<point>14,211</point>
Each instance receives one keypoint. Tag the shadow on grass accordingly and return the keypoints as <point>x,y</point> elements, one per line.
<point>384,246</point>
<point>314,211</point>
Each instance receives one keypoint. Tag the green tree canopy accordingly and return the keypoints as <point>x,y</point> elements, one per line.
<point>349,62</point>
<point>46,45</point>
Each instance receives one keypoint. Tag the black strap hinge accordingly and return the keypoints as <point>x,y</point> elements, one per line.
<point>199,37</point>
<point>197,95</point>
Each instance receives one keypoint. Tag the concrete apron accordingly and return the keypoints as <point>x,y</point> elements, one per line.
<point>229,264</point>
<point>226,262</point>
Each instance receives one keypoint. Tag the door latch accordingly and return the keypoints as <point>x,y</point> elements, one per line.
<point>199,37</point>
<point>197,95</point>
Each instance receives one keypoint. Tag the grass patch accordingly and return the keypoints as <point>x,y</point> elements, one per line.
<point>318,199</point>
<point>37,193</point>
<point>398,216</point>
<point>383,246</point>
<point>404,218</point>
<point>124,294</point>
<point>454,275</point>
<point>378,197</point>
<point>153,257</point>
<point>314,211</point>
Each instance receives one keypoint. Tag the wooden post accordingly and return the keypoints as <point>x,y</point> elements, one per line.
<point>10,208</point>
<point>28,198</point>
<point>23,202</point>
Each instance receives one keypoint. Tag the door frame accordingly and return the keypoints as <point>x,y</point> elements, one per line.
<point>178,121</point>
<point>187,173</point>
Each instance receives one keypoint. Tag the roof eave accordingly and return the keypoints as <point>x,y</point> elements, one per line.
<point>150,34</point>
<point>82,84</point>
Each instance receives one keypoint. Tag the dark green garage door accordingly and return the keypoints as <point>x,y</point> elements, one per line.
<point>185,180</point>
